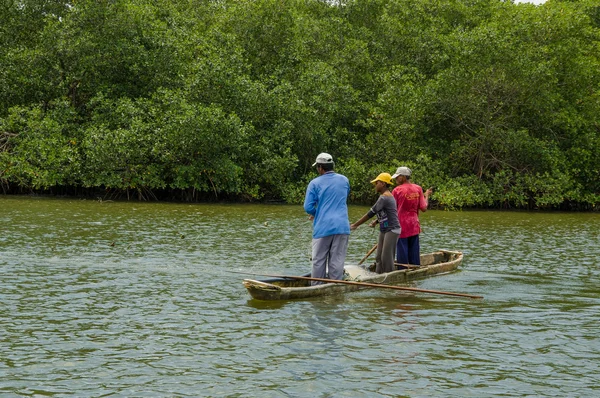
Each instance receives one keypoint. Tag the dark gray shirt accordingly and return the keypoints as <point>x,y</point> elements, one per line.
<point>385,209</point>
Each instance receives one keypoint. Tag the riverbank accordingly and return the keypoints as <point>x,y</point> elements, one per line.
<point>191,196</point>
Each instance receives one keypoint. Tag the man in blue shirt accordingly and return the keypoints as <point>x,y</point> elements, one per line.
<point>326,203</point>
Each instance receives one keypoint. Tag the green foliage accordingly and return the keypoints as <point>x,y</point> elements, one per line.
<point>493,103</point>
<point>295,191</point>
<point>39,149</point>
<point>162,142</point>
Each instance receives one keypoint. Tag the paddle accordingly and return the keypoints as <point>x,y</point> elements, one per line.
<point>368,254</point>
<point>412,289</point>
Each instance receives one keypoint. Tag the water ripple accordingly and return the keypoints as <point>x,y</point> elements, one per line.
<point>122,299</point>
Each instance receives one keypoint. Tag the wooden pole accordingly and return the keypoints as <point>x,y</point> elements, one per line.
<point>409,266</point>
<point>368,254</point>
<point>365,284</point>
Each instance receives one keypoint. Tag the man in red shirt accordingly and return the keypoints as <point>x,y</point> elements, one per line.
<point>409,200</point>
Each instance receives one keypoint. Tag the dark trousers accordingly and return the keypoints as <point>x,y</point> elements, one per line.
<point>408,250</point>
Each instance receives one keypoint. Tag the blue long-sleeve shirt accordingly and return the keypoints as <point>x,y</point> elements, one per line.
<point>326,200</point>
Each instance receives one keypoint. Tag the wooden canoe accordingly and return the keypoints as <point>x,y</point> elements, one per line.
<point>436,263</point>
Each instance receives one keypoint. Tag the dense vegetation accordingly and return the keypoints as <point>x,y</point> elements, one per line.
<point>495,104</point>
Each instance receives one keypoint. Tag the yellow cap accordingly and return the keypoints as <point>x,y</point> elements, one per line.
<point>385,177</point>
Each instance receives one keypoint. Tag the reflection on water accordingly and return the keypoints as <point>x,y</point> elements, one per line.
<point>136,299</point>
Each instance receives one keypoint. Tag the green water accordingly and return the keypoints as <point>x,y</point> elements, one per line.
<point>137,300</point>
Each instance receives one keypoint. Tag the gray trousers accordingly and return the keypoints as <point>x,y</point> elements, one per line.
<point>329,252</point>
<point>386,250</point>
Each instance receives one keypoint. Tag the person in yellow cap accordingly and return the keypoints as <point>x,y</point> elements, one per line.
<point>389,226</point>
